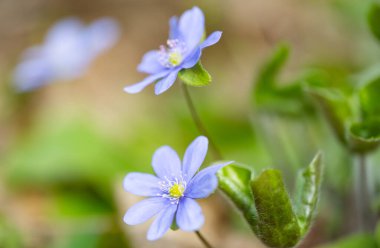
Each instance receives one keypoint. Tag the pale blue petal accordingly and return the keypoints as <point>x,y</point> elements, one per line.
<point>165,83</point>
<point>192,59</point>
<point>67,50</point>
<point>189,215</point>
<point>67,27</point>
<point>162,223</point>
<point>145,209</point>
<point>102,34</point>
<point>194,157</point>
<point>205,182</point>
<point>32,73</point>
<point>211,39</point>
<point>150,63</point>
<point>174,32</point>
<point>191,26</point>
<point>166,163</point>
<point>142,184</point>
<point>136,88</point>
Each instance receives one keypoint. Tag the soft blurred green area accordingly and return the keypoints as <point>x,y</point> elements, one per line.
<point>65,148</point>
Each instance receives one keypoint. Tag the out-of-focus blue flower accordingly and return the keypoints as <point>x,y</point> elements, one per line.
<point>172,192</point>
<point>66,53</point>
<point>183,51</point>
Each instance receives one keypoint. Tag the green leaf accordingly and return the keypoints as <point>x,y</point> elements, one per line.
<point>307,192</point>
<point>373,19</point>
<point>283,98</point>
<point>278,224</point>
<point>365,136</point>
<point>334,105</point>
<point>234,181</point>
<point>268,74</point>
<point>265,203</point>
<point>369,98</point>
<point>353,241</point>
<point>195,76</point>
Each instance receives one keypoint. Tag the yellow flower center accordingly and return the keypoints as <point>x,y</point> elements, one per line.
<point>175,58</point>
<point>176,190</point>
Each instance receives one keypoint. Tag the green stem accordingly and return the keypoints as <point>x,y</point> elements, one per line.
<point>198,123</point>
<point>362,195</point>
<point>203,240</point>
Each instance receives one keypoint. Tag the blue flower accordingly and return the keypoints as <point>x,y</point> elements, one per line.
<point>183,51</point>
<point>66,53</point>
<point>172,192</point>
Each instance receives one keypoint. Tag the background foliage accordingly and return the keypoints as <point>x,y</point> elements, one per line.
<point>281,68</point>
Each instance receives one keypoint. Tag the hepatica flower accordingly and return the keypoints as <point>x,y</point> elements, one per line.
<point>173,190</point>
<point>68,49</point>
<point>182,51</point>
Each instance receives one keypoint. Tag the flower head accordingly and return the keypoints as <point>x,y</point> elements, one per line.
<point>172,192</point>
<point>69,48</point>
<point>183,50</point>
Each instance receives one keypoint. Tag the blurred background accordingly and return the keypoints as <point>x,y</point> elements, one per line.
<point>66,146</point>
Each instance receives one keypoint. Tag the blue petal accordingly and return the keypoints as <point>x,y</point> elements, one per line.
<point>142,184</point>
<point>189,215</point>
<point>66,27</point>
<point>174,32</point>
<point>192,59</point>
<point>32,73</point>
<point>102,34</point>
<point>67,49</point>
<point>165,83</point>
<point>194,156</point>
<point>211,39</point>
<point>162,223</point>
<point>150,63</point>
<point>191,25</point>
<point>166,163</point>
<point>136,88</point>
<point>205,182</point>
<point>145,209</point>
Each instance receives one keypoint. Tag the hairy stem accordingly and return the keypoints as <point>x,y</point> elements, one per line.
<point>198,123</point>
<point>204,241</point>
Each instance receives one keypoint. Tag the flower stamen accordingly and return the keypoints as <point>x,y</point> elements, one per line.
<point>172,55</point>
<point>176,190</point>
<point>173,189</point>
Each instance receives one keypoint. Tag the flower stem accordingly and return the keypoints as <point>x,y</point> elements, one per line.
<point>198,123</point>
<point>364,213</point>
<point>204,241</point>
